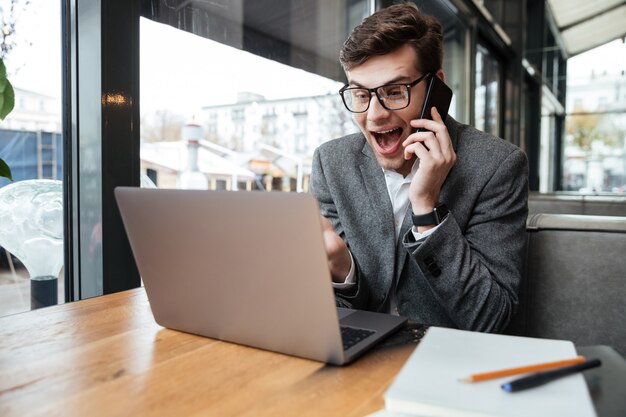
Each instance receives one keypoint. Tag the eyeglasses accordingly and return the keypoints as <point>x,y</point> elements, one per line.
<point>390,96</point>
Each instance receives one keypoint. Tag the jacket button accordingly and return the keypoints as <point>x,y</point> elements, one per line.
<point>429,260</point>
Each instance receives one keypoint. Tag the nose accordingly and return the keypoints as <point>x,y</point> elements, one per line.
<point>376,110</point>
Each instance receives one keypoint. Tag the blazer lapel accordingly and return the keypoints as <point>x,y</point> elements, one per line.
<point>375,185</point>
<point>378,196</point>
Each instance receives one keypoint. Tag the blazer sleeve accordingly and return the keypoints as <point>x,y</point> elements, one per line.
<point>357,295</point>
<point>475,273</point>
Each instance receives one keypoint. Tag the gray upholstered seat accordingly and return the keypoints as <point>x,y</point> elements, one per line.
<point>575,280</point>
<point>563,203</point>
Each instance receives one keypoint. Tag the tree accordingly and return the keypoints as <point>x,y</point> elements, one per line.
<point>8,22</point>
<point>162,125</point>
<point>586,128</point>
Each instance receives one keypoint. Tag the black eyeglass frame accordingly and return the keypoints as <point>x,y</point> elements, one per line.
<point>375,91</point>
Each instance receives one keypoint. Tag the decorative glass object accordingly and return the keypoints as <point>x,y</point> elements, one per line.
<point>31,228</point>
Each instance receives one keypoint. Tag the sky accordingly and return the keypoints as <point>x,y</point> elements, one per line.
<point>35,63</point>
<point>610,57</point>
<point>183,72</point>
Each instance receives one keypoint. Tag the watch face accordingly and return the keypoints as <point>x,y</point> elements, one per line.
<point>441,210</point>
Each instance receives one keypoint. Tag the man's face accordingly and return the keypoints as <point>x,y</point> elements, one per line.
<point>385,130</point>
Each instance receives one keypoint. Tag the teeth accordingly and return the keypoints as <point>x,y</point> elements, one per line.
<point>386,131</point>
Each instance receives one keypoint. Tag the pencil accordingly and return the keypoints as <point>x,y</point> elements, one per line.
<point>522,369</point>
<point>540,378</point>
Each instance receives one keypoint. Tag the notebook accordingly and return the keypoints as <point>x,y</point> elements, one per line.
<point>244,267</point>
<point>429,382</point>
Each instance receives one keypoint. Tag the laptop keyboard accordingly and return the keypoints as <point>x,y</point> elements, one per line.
<point>351,336</point>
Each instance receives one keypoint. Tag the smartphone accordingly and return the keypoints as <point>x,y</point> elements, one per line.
<point>438,95</point>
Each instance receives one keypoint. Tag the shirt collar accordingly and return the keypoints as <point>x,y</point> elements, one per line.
<point>391,173</point>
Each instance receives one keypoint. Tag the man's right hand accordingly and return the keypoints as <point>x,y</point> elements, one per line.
<point>339,260</point>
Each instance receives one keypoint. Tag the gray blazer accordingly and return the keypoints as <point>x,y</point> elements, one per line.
<point>466,274</point>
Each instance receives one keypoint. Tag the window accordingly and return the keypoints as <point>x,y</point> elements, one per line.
<point>31,242</point>
<point>487,93</point>
<point>594,152</point>
<point>260,61</point>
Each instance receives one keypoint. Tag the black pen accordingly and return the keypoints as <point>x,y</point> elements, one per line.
<point>541,378</point>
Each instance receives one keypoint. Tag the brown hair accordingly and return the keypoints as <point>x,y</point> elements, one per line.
<point>391,28</point>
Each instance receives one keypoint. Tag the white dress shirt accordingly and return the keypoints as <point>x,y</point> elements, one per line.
<point>398,188</point>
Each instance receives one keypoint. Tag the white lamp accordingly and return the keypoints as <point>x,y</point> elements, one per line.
<point>31,228</point>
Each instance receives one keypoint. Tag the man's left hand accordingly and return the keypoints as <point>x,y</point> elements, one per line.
<point>433,148</point>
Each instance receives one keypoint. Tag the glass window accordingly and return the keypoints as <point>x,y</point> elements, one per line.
<point>487,94</point>
<point>594,151</point>
<point>254,83</point>
<point>31,206</point>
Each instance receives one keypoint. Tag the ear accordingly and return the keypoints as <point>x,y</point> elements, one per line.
<point>441,75</point>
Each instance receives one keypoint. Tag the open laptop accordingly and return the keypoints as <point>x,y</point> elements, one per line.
<point>244,267</point>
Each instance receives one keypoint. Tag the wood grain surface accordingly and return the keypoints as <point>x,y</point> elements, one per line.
<point>106,356</point>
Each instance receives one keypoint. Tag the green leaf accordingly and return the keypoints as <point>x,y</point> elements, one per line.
<point>4,170</point>
<point>8,102</point>
<point>7,95</point>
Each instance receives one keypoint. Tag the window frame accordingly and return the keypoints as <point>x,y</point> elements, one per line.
<point>101,142</point>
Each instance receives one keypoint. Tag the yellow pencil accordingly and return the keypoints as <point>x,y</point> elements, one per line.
<point>522,369</point>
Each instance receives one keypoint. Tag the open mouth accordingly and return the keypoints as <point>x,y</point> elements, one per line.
<point>388,141</point>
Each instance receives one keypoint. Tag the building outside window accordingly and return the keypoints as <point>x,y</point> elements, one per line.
<point>594,156</point>
<point>266,80</point>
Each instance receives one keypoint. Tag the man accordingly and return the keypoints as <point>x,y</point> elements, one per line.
<point>428,224</point>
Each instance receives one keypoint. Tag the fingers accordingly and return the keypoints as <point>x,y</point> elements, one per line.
<point>333,243</point>
<point>436,125</point>
<point>435,140</point>
<point>442,132</point>
<point>435,115</point>
<point>339,260</point>
<point>326,224</point>
<point>423,146</point>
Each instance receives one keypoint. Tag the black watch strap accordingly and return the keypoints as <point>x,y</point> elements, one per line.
<point>435,217</point>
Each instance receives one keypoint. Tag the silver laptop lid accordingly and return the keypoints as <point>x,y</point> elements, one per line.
<point>246,267</point>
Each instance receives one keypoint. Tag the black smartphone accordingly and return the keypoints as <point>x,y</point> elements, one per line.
<point>438,95</point>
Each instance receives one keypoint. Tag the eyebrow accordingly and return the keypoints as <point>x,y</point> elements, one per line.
<point>401,79</point>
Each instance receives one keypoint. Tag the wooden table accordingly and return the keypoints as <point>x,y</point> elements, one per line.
<point>106,356</point>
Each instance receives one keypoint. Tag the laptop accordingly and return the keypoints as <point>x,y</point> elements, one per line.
<point>244,267</point>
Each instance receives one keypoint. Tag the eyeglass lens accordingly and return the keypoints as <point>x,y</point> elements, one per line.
<point>392,97</point>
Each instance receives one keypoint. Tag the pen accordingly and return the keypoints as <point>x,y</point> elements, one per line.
<point>541,378</point>
<point>522,369</point>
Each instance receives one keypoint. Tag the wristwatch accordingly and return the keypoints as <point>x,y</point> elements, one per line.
<point>435,217</point>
